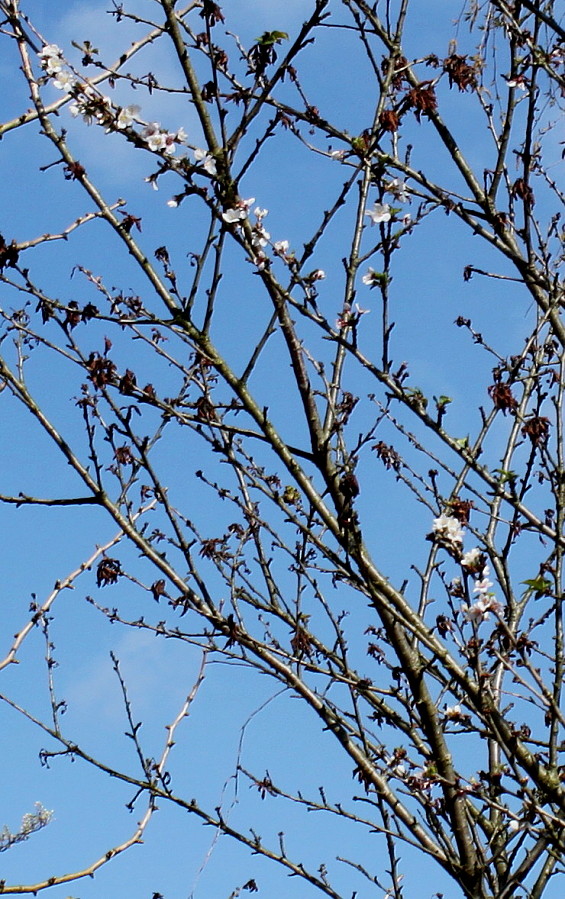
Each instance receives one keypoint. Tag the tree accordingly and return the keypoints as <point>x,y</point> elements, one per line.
<point>380,539</point>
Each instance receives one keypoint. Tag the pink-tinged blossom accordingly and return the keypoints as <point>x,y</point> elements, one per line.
<point>480,610</point>
<point>206,161</point>
<point>281,247</point>
<point>170,146</point>
<point>518,81</point>
<point>317,275</point>
<point>239,212</point>
<point>350,317</point>
<point>260,260</point>
<point>483,586</point>
<point>380,213</point>
<point>153,136</point>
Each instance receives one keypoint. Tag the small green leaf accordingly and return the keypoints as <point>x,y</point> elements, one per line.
<point>268,38</point>
<point>538,585</point>
<point>505,474</point>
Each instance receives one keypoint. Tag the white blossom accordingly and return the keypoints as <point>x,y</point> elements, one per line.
<point>238,213</point>
<point>126,116</point>
<point>170,146</point>
<point>471,558</point>
<point>52,59</point>
<point>50,50</point>
<point>153,136</point>
<point>206,160</point>
<point>449,528</point>
<point>483,586</point>
<point>480,610</point>
<point>260,237</point>
<point>379,213</point>
<point>398,189</point>
<point>64,81</point>
<point>281,247</point>
<point>370,278</point>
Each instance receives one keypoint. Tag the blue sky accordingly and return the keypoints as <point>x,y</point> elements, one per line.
<point>180,858</point>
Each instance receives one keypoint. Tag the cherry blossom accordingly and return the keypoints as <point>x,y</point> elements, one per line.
<point>480,611</point>
<point>64,81</point>
<point>126,116</point>
<point>91,105</point>
<point>239,212</point>
<point>448,528</point>
<point>371,278</point>
<point>483,586</point>
<point>260,236</point>
<point>206,160</point>
<point>471,558</point>
<point>399,190</point>
<point>52,59</point>
<point>518,81</point>
<point>350,317</point>
<point>380,213</point>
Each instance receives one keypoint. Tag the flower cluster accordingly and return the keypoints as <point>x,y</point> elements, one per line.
<point>449,532</point>
<point>52,59</point>
<point>260,238</point>
<point>159,140</point>
<point>485,602</point>
<point>94,107</point>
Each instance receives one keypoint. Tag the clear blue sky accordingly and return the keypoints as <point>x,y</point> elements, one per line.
<point>180,858</point>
